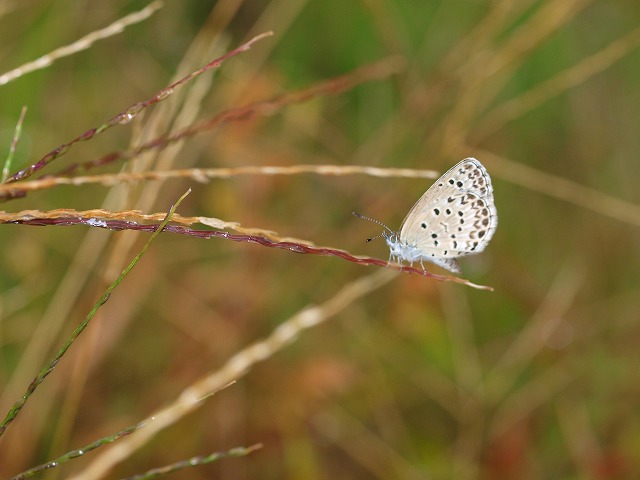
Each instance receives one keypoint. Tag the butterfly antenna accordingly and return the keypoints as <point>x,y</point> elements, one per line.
<point>373,238</point>
<point>356,214</point>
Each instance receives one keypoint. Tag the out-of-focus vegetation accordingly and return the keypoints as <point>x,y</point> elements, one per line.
<point>419,379</point>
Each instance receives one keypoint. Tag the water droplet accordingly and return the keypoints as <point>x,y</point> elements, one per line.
<point>164,94</point>
<point>130,114</point>
<point>126,118</point>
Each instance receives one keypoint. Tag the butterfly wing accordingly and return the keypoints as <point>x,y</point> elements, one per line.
<point>456,216</point>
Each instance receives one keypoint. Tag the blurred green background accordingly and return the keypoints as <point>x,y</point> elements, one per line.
<point>538,379</point>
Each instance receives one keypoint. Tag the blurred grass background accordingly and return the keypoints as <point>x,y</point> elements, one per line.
<point>538,379</point>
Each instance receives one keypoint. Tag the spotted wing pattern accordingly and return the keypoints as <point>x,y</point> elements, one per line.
<point>456,216</point>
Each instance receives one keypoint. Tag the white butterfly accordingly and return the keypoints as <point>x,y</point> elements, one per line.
<point>455,217</point>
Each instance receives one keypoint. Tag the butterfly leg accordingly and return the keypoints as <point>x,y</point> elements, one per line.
<point>390,260</point>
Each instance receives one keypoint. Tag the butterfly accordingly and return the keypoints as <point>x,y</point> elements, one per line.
<point>455,217</point>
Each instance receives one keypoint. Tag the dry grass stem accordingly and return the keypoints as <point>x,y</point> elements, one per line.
<point>486,382</point>
<point>546,20</point>
<point>562,189</point>
<point>483,77</point>
<point>565,80</point>
<point>132,111</point>
<point>377,70</point>
<point>235,368</point>
<point>365,445</point>
<point>118,221</point>
<point>203,175</point>
<point>574,420</point>
<point>523,402</point>
<point>533,338</point>
<point>81,44</point>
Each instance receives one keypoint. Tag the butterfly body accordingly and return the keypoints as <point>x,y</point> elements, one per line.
<point>402,251</point>
<point>455,217</point>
